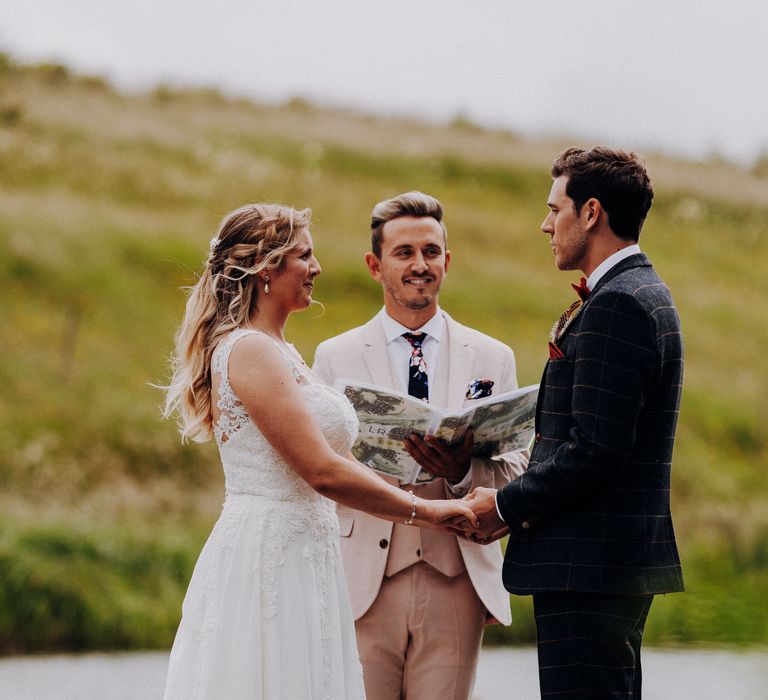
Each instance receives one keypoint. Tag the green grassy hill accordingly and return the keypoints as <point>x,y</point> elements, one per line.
<point>107,203</point>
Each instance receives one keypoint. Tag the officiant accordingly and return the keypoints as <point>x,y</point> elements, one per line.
<point>421,597</point>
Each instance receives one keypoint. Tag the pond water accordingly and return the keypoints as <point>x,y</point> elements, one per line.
<point>507,673</point>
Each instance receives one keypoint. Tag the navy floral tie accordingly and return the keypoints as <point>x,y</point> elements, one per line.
<point>418,383</point>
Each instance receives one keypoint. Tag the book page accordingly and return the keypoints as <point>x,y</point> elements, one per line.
<point>386,419</point>
<point>506,424</point>
<point>452,427</point>
<point>502,424</point>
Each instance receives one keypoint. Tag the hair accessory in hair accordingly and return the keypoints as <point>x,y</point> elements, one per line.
<point>214,242</point>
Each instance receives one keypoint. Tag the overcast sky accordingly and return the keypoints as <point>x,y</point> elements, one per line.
<point>687,76</point>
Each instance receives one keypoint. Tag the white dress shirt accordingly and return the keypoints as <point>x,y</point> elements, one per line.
<point>400,349</point>
<point>609,262</point>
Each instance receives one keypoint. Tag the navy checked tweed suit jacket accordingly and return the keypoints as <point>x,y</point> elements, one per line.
<point>591,513</point>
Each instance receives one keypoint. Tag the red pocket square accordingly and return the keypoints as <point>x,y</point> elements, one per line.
<point>555,353</point>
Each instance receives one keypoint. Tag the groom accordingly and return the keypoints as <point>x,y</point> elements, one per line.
<point>590,528</point>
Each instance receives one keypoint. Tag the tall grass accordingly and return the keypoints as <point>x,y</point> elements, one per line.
<point>107,202</point>
<point>91,587</point>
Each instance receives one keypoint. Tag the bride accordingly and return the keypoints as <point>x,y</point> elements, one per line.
<point>267,613</point>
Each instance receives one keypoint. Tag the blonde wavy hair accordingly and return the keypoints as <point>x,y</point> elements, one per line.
<point>250,240</point>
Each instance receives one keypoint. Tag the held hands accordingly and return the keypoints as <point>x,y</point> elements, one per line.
<point>441,460</point>
<point>438,514</point>
<point>475,517</point>
<point>490,527</point>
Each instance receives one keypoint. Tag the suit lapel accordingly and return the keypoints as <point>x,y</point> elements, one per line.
<point>637,260</point>
<point>375,353</point>
<point>454,366</point>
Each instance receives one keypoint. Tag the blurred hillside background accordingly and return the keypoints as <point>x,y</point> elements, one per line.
<point>107,202</point>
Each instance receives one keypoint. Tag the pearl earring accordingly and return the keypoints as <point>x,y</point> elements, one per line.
<point>266,285</point>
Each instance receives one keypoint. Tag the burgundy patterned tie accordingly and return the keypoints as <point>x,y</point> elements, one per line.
<point>418,383</point>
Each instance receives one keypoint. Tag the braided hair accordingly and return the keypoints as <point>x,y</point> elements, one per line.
<point>252,239</point>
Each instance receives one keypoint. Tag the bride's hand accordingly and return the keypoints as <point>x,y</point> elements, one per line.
<point>437,513</point>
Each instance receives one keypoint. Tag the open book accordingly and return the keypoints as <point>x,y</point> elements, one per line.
<point>502,424</point>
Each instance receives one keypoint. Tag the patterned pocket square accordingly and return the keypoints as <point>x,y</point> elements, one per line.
<point>479,389</point>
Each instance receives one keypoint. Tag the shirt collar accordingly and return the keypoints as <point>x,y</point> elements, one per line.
<point>609,262</point>
<point>393,329</point>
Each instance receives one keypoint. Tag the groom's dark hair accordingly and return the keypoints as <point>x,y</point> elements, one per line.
<point>406,204</point>
<point>617,179</point>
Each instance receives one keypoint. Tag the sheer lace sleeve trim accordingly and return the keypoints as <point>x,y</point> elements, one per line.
<point>234,416</point>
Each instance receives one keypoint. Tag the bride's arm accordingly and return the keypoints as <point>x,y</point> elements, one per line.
<point>264,383</point>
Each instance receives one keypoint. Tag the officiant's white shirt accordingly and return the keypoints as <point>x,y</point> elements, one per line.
<point>399,349</point>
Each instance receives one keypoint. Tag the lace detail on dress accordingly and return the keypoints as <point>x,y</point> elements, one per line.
<point>321,559</point>
<point>275,542</point>
<point>262,486</point>
<point>233,415</point>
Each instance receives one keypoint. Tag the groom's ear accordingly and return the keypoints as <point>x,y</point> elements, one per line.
<point>374,266</point>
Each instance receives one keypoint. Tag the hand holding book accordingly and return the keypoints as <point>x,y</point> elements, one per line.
<point>450,462</point>
<point>388,418</point>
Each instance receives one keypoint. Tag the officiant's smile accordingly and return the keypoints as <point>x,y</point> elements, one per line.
<point>411,263</point>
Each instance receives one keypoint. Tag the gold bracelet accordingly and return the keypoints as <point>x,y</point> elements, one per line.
<point>413,510</point>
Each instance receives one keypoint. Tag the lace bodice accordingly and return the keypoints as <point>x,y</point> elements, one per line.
<point>251,465</point>
<point>269,584</point>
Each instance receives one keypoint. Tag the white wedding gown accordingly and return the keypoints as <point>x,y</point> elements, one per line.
<point>267,613</point>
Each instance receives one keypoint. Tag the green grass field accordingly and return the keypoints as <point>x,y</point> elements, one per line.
<point>107,203</point>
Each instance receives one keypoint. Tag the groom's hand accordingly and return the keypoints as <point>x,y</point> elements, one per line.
<point>490,526</point>
<point>434,456</point>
